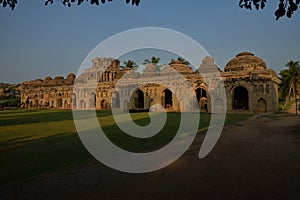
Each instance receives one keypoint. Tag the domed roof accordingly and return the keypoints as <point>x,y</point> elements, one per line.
<point>47,79</point>
<point>180,67</point>
<point>150,69</point>
<point>71,76</point>
<point>208,66</point>
<point>245,61</point>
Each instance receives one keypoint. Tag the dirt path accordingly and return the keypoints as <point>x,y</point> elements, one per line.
<point>256,159</point>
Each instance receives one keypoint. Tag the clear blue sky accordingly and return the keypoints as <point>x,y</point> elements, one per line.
<point>38,40</point>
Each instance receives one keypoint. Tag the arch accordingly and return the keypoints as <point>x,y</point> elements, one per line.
<point>261,106</point>
<point>168,98</point>
<point>240,98</point>
<point>36,100</point>
<point>115,99</point>
<point>66,104</point>
<point>138,99</point>
<point>59,103</point>
<point>74,100</point>
<point>103,104</point>
<point>126,106</point>
<point>201,95</point>
<point>82,104</point>
<point>92,100</point>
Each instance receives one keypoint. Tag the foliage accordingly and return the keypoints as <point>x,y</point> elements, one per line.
<point>283,106</point>
<point>154,60</point>
<point>289,86</point>
<point>130,64</point>
<point>182,60</point>
<point>12,3</point>
<point>285,7</point>
<point>12,102</point>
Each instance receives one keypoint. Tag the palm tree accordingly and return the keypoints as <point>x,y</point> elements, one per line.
<point>182,60</point>
<point>130,64</point>
<point>290,81</point>
<point>155,61</point>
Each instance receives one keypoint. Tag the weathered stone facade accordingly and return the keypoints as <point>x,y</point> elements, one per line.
<point>250,87</point>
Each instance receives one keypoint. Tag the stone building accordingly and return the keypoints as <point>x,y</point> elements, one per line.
<point>47,93</point>
<point>250,87</point>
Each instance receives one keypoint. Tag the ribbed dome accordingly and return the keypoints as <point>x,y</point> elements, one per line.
<point>71,76</point>
<point>245,61</point>
<point>47,79</point>
<point>179,67</point>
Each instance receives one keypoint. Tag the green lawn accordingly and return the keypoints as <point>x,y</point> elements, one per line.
<point>36,142</point>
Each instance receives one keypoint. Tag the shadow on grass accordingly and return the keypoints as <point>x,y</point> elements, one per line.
<point>40,156</point>
<point>21,158</point>
<point>20,117</point>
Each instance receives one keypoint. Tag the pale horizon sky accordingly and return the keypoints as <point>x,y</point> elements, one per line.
<point>38,41</point>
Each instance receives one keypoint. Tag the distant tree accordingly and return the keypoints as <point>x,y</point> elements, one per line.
<point>130,64</point>
<point>12,3</point>
<point>182,60</point>
<point>285,7</point>
<point>155,61</point>
<point>290,81</point>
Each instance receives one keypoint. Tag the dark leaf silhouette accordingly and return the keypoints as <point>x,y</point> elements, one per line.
<point>285,7</point>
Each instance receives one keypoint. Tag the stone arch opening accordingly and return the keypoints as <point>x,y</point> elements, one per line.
<point>240,98</point>
<point>74,100</point>
<point>82,104</point>
<point>126,106</point>
<point>115,100</point>
<point>261,106</point>
<point>201,95</point>
<point>59,101</point>
<point>92,100</point>
<point>139,99</point>
<point>168,98</point>
<point>103,104</point>
<point>66,104</point>
<point>36,100</point>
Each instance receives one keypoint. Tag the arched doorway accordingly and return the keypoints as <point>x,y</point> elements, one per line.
<point>168,102</point>
<point>126,106</point>
<point>201,96</point>
<point>36,100</point>
<point>92,100</point>
<point>59,101</point>
<point>115,100</point>
<point>261,106</point>
<point>240,98</point>
<point>82,104</point>
<point>74,100</point>
<point>139,99</point>
<point>103,104</point>
<point>66,104</point>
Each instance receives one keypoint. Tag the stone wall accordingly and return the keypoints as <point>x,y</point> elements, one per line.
<point>250,87</point>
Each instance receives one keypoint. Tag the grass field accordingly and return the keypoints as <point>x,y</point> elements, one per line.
<point>36,142</point>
